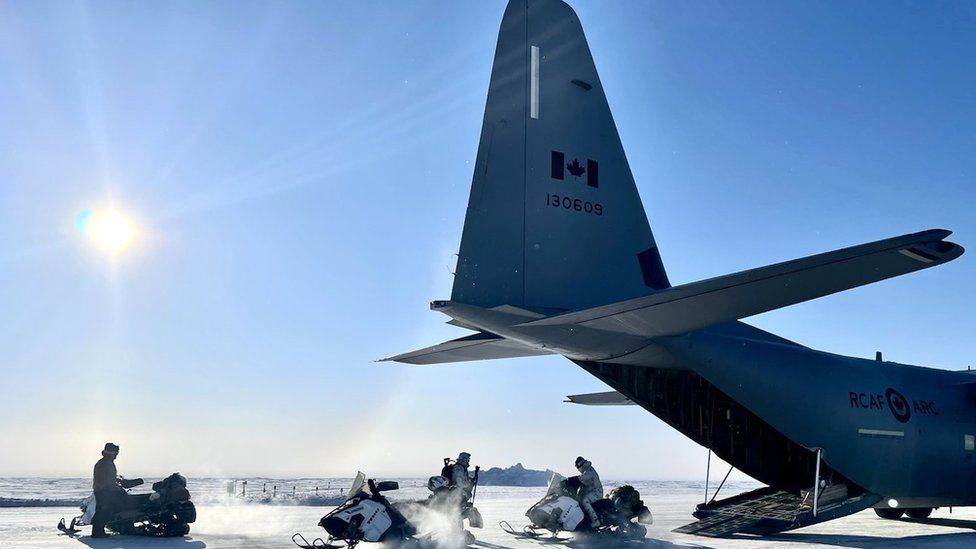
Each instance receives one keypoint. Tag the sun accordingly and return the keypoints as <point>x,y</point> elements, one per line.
<point>108,230</point>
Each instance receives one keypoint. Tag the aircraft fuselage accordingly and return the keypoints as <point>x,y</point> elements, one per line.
<point>905,432</point>
<point>582,276</point>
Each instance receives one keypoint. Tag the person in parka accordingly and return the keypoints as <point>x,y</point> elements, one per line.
<point>109,488</point>
<point>591,489</point>
<point>460,476</point>
<point>108,493</point>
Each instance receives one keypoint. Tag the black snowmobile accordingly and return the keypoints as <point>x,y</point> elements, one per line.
<point>166,512</point>
<point>560,511</point>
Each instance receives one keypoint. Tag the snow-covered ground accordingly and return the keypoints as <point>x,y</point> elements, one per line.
<point>259,526</point>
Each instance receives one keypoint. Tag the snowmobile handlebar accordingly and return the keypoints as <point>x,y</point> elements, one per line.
<point>130,483</point>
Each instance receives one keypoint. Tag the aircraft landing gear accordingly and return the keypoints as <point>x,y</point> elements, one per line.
<point>888,513</point>
<point>919,513</point>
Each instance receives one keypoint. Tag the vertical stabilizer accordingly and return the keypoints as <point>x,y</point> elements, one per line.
<point>554,220</point>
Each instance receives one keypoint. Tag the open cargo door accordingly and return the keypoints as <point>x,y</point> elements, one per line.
<point>770,510</point>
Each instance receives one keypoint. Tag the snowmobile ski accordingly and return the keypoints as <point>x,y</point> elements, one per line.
<point>317,543</point>
<point>528,532</point>
<point>69,530</point>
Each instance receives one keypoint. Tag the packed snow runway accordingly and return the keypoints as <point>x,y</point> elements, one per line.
<point>270,526</point>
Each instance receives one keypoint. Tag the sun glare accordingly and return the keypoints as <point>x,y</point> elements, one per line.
<point>108,230</point>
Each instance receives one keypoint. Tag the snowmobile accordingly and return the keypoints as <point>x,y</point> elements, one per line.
<point>367,515</point>
<point>560,511</point>
<point>166,512</point>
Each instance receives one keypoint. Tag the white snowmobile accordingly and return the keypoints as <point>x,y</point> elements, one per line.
<point>560,511</point>
<point>367,515</point>
<point>166,512</point>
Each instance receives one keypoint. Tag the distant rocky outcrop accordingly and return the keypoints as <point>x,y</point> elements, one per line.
<point>516,475</point>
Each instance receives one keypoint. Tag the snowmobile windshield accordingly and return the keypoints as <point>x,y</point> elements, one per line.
<point>555,484</point>
<point>357,485</point>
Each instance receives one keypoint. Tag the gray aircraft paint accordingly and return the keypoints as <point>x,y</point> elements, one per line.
<point>534,279</point>
<point>516,249</point>
<point>806,395</point>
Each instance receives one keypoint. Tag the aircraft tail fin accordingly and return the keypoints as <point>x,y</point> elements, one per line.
<point>554,220</point>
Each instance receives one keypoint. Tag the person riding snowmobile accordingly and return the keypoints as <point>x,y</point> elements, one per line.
<point>591,489</point>
<point>110,496</point>
<point>460,477</point>
<point>453,491</point>
<point>562,508</point>
<point>454,482</point>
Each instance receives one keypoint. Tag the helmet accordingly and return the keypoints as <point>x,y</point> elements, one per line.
<point>436,483</point>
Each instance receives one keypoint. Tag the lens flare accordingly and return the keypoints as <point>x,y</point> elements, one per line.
<point>108,230</point>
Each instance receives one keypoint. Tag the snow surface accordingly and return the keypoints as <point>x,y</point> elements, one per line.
<point>236,525</point>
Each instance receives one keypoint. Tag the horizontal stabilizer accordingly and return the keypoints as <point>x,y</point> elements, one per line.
<point>481,346</point>
<point>688,307</point>
<point>610,398</point>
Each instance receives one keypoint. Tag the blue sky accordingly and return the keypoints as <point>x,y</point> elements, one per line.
<point>299,172</point>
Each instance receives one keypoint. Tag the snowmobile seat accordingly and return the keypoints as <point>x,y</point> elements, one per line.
<point>603,506</point>
<point>136,501</point>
